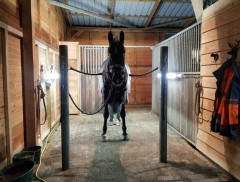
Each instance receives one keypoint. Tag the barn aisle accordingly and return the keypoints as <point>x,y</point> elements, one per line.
<point>135,160</point>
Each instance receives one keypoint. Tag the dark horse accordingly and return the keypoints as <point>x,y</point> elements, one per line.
<point>115,78</point>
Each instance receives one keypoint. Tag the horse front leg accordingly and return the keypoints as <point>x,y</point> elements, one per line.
<point>105,115</point>
<point>124,128</point>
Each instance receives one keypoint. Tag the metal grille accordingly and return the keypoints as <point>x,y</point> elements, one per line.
<point>184,58</point>
<point>184,50</point>
<point>90,61</point>
<point>92,57</point>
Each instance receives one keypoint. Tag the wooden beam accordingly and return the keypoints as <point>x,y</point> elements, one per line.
<point>98,29</point>
<point>72,8</point>
<point>154,9</point>
<point>112,5</point>
<point>30,127</point>
<point>198,9</point>
<point>11,29</point>
<point>169,23</point>
<point>8,126</point>
<point>76,35</point>
<point>133,16</point>
<point>68,14</point>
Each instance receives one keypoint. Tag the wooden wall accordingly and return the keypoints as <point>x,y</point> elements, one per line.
<point>11,82</point>
<point>139,59</point>
<point>220,25</point>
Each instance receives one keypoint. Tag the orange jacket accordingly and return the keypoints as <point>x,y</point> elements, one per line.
<point>225,117</point>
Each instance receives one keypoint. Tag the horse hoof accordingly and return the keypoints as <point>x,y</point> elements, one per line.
<point>104,138</point>
<point>125,138</point>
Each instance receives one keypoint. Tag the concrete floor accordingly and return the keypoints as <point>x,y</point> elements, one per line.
<point>136,160</point>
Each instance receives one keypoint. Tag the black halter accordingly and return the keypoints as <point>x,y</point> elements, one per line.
<point>111,73</point>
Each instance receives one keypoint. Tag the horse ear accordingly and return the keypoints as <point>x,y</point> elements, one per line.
<point>122,37</point>
<point>110,36</point>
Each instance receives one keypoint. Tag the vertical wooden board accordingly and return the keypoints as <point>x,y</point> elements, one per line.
<point>16,103</point>
<point>18,136</point>
<point>3,154</point>
<point>73,86</point>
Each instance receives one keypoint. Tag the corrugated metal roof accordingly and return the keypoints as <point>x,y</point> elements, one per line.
<point>132,12</point>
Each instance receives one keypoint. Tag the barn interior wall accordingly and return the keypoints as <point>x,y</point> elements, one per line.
<point>139,59</point>
<point>220,25</point>
<point>11,80</point>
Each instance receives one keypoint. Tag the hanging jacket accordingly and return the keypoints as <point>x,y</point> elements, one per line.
<point>225,117</point>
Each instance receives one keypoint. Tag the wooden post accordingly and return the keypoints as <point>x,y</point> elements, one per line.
<point>63,49</point>
<point>4,42</point>
<point>30,126</point>
<point>163,108</point>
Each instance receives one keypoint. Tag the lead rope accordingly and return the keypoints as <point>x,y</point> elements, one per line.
<point>105,103</point>
<point>110,92</point>
<point>197,106</point>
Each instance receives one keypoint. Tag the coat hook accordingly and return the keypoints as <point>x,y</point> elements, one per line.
<point>215,56</point>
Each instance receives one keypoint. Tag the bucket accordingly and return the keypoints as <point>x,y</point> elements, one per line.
<point>18,172</point>
<point>36,150</point>
<point>23,155</point>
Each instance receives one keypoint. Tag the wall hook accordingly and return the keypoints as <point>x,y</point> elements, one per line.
<point>215,56</point>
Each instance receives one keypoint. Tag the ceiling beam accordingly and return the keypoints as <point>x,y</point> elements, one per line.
<point>133,16</point>
<point>169,23</point>
<point>71,8</point>
<point>68,14</point>
<point>154,9</point>
<point>76,35</point>
<point>102,29</point>
<point>112,5</point>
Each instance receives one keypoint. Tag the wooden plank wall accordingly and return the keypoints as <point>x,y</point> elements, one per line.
<point>139,59</point>
<point>11,98</point>
<point>15,100</point>
<point>73,77</point>
<point>220,25</point>
<point>9,11</point>
<point>45,16</point>
<point>3,153</point>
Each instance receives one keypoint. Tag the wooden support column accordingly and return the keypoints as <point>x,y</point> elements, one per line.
<point>8,127</point>
<point>30,126</point>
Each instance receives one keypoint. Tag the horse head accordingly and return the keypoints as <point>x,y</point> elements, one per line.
<point>116,52</point>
